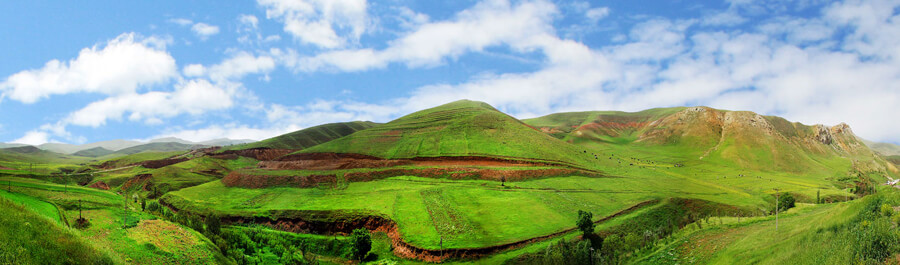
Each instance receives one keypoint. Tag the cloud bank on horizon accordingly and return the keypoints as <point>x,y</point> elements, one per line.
<point>257,70</point>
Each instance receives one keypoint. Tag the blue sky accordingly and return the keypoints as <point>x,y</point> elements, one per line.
<point>87,71</point>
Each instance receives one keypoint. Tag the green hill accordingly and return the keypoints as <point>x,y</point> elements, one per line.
<point>94,152</point>
<point>461,128</point>
<point>308,137</point>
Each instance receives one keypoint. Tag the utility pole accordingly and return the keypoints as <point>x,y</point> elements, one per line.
<point>441,245</point>
<point>777,197</point>
<point>79,210</point>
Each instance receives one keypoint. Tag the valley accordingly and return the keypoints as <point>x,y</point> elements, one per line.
<point>466,183</point>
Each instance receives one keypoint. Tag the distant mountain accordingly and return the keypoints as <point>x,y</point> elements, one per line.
<point>8,145</point>
<point>113,145</point>
<point>119,145</point>
<point>226,142</point>
<point>171,140</point>
<point>885,149</point>
<point>159,147</point>
<point>308,137</point>
<point>94,152</point>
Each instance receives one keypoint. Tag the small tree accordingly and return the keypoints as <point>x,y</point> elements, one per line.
<point>143,204</point>
<point>361,243</point>
<point>503,181</point>
<point>585,224</point>
<point>785,201</point>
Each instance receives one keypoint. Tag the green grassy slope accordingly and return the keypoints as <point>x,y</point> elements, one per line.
<point>308,137</point>
<point>29,238</point>
<point>33,204</point>
<point>856,232</point>
<point>461,128</point>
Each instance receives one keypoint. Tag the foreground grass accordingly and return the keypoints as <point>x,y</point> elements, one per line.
<point>842,233</point>
<point>118,227</point>
<point>30,238</point>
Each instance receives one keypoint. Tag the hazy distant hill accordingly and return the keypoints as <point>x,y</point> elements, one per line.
<point>886,149</point>
<point>94,152</point>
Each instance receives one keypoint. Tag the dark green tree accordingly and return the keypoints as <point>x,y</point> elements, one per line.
<point>361,243</point>
<point>585,224</point>
<point>785,201</point>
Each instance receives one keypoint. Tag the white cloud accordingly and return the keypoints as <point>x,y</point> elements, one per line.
<point>33,138</point>
<point>121,66</point>
<point>324,23</point>
<point>194,70</point>
<point>487,24</point>
<point>181,21</point>
<point>204,30</point>
<point>239,65</point>
<point>191,97</point>
<point>596,14</point>
<point>249,20</point>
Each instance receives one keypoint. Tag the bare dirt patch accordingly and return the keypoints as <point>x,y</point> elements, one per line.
<point>100,185</point>
<point>136,180</point>
<point>162,162</point>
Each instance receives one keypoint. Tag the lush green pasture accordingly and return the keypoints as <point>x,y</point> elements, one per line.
<point>33,204</point>
<point>141,241</point>
<point>466,214</point>
<point>838,233</point>
<point>30,238</point>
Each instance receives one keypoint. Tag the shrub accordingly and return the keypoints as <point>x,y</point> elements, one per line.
<point>786,201</point>
<point>360,243</point>
<point>887,210</point>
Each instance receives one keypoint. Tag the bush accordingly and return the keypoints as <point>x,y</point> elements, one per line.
<point>887,210</point>
<point>153,206</point>
<point>360,243</point>
<point>785,201</point>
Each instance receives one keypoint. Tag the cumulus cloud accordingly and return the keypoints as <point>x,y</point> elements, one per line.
<point>33,138</point>
<point>204,30</point>
<point>323,23</point>
<point>489,23</point>
<point>596,14</point>
<point>122,65</point>
<point>192,97</point>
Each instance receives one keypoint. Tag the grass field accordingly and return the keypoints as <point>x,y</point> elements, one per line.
<point>427,209</point>
<point>840,233</point>
<point>108,213</point>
